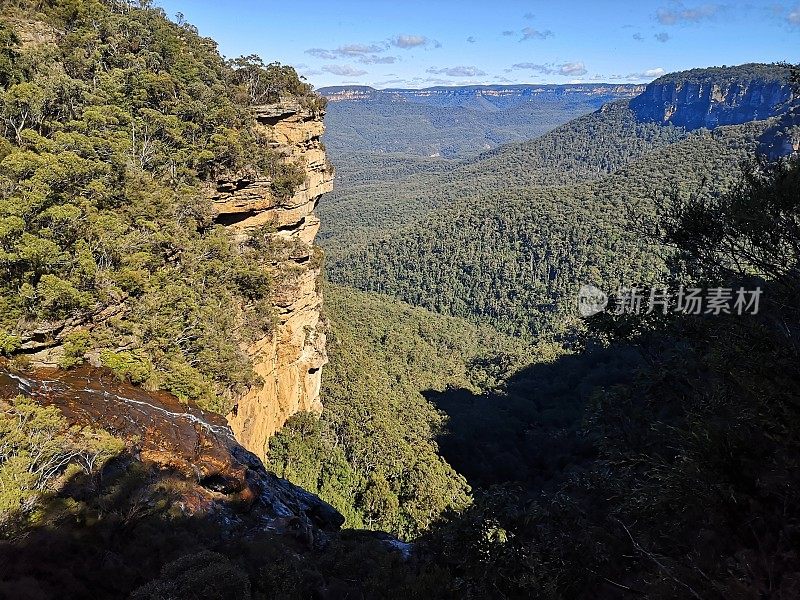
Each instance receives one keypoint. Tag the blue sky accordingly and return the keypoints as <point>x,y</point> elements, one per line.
<point>413,43</point>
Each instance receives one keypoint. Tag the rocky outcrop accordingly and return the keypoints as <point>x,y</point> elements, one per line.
<point>185,448</point>
<point>717,98</point>
<point>782,137</point>
<point>290,358</point>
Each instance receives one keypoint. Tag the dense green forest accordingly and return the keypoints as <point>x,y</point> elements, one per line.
<point>375,198</point>
<point>112,119</point>
<point>515,256</point>
<point>374,453</point>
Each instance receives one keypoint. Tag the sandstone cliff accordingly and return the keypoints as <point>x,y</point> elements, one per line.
<point>183,448</point>
<point>289,359</point>
<point>713,97</point>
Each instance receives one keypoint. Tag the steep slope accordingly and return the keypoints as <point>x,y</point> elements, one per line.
<point>716,96</point>
<point>379,432</point>
<point>194,448</point>
<point>289,358</point>
<point>516,256</point>
<point>587,148</point>
<point>156,216</point>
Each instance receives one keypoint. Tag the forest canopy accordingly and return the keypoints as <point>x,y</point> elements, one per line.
<point>112,120</point>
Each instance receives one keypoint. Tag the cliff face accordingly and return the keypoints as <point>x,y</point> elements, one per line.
<point>494,93</point>
<point>289,359</point>
<point>183,448</point>
<point>695,104</point>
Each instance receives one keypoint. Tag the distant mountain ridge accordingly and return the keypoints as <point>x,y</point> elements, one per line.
<point>489,97</point>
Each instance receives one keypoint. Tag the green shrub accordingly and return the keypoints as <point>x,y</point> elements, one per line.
<point>9,343</point>
<point>76,345</point>
<point>131,366</point>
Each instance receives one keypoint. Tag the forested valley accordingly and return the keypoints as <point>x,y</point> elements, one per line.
<point>479,438</point>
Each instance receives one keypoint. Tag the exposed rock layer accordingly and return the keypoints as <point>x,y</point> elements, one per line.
<point>289,359</point>
<point>712,103</point>
<point>181,443</point>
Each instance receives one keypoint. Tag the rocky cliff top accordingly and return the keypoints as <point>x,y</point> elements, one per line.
<point>186,448</point>
<point>717,96</point>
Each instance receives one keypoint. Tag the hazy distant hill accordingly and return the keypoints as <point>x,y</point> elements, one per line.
<point>454,122</point>
<point>506,235</point>
<point>487,97</point>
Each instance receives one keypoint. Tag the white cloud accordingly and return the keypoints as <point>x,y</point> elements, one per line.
<point>683,14</point>
<point>410,41</point>
<point>648,74</point>
<point>322,53</point>
<point>794,17</point>
<point>359,49</point>
<point>573,68</point>
<point>529,33</point>
<point>662,37</point>
<point>377,60</point>
<point>344,70</point>
<point>457,72</point>
<point>545,69</point>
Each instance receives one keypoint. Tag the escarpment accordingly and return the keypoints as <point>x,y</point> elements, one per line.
<point>287,359</point>
<point>725,96</point>
<point>181,447</point>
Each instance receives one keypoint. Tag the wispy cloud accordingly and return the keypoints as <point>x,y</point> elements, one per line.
<point>359,49</point>
<point>457,72</point>
<point>471,39</point>
<point>377,60</point>
<point>367,54</point>
<point>322,53</point>
<point>662,37</point>
<point>544,69</point>
<point>574,69</point>
<point>648,74</point>
<point>638,37</point>
<point>529,16</point>
<point>344,70</point>
<point>680,13</point>
<point>529,33</point>
<point>509,33</point>
<point>412,41</point>
<point>793,18</point>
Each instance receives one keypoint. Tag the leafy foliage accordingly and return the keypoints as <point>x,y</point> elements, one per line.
<point>37,449</point>
<point>374,455</point>
<point>111,126</point>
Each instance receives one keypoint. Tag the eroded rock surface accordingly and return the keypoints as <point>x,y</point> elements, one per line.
<point>178,441</point>
<point>289,359</point>
<point>710,103</point>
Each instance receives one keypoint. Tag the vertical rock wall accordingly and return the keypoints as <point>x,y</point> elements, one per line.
<point>290,358</point>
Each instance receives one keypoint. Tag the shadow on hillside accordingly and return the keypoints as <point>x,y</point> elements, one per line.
<point>122,532</point>
<point>529,433</point>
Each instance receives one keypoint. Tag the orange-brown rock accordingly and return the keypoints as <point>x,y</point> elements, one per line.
<point>290,358</point>
<point>178,442</point>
